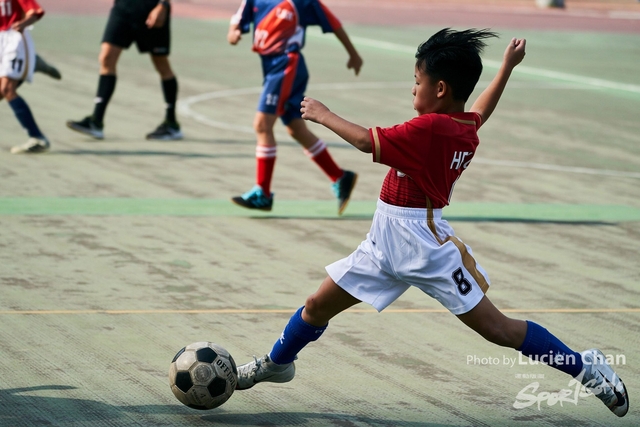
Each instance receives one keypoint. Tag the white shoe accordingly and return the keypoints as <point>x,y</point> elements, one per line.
<point>599,378</point>
<point>264,369</point>
<point>33,145</point>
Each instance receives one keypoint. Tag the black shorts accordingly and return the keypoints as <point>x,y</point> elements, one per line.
<point>125,28</point>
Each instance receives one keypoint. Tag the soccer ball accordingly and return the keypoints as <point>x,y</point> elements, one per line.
<point>203,375</point>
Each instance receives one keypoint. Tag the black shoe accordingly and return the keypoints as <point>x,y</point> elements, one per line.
<point>343,187</point>
<point>43,67</point>
<point>87,126</point>
<point>167,131</point>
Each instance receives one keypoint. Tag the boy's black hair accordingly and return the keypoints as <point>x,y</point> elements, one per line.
<point>454,57</point>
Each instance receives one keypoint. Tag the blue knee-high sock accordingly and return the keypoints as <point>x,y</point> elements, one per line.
<point>296,335</point>
<point>540,345</point>
<point>24,116</point>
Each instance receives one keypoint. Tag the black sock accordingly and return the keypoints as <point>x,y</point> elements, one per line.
<point>106,86</point>
<point>170,91</point>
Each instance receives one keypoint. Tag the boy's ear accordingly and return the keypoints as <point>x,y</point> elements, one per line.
<point>443,89</point>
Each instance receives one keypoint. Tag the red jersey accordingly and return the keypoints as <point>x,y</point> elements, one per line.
<point>12,11</point>
<point>427,155</point>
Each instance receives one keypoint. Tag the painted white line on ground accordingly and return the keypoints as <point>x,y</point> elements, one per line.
<point>522,69</point>
<point>426,7</point>
<point>184,109</point>
<point>184,105</point>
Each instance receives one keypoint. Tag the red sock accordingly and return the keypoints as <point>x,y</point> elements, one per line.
<point>319,153</point>
<point>266,160</point>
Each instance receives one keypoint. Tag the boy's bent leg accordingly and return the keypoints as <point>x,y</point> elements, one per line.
<point>539,344</point>
<point>327,302</point>
<point>306,325</point>
<point>277,366</point>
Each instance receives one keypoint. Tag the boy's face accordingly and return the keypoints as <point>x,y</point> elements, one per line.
<point>425,93</point>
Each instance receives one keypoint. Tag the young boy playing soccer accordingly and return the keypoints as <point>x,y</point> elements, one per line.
<point>409,243</point>
<point>147,23</point>
<point>279,34</point>
<point>17,61</point>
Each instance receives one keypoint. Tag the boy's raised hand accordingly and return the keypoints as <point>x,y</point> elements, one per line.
<point>514,54</point>
<point>312,110</point>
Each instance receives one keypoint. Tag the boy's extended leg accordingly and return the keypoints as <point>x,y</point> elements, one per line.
<point>169,129</point>
<point>305,326</point>
<point>316,150</point>
<point>534,341</point>
<point>260,196</point>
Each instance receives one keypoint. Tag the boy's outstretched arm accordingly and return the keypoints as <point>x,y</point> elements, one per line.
<point>354,134</point>
<point>354,61</point>
<point>488,99</point>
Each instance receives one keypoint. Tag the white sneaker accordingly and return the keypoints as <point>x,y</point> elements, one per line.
<point>264,369</point>
<point>599,378</point>
<point>33,145</point>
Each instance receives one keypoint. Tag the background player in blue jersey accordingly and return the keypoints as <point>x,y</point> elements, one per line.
<point>279,34</point>
<point>147,22</point>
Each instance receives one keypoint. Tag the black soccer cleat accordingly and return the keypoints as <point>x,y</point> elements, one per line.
<point>166,131</point>
<point>87,126</point>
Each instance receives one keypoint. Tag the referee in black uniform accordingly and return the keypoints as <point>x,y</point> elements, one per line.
<point>147,23</point>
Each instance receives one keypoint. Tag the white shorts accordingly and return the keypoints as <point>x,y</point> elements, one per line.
<point>406,247</point>
<point>17,55</point>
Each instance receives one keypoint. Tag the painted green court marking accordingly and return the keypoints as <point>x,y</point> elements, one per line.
<point>462,211</point>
